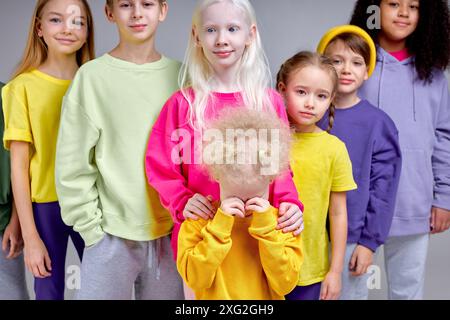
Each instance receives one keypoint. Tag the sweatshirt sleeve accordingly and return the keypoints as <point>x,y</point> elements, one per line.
<point>441,152</point>
<point>280,253</point>
<point>384,181</point>
<point>279,106</point>
<point>76,172</point>
<point>283,190</point>
<point>163,161</point>
<point>202,247</point>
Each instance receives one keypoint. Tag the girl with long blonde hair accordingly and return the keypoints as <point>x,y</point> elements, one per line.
<point>60,40</point>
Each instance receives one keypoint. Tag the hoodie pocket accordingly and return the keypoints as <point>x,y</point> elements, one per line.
<point>415,192</point>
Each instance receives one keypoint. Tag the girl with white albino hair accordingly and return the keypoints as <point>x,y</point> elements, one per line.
<point>225,67</point>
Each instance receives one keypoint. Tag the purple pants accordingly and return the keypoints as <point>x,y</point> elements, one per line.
<point>311,292</point>
<point>55,235</point>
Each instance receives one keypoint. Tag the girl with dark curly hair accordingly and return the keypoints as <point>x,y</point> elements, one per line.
<point>410,86</point>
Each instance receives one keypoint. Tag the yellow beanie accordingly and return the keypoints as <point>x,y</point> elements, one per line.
<point>333,32</point>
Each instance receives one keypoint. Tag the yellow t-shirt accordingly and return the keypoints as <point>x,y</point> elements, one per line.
<point>321,164</point>
<point>32,108</point>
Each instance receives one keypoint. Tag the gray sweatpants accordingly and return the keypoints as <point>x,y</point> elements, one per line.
<point>113,266</point>
<point>12,277</point>
<point>405,259</point>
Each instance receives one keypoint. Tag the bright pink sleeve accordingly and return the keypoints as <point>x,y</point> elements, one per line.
<point>163,173</point>
<point>283,188</point>
<point>278,104</point>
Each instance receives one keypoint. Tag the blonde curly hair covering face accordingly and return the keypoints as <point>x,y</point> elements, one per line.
<point>244,146</point>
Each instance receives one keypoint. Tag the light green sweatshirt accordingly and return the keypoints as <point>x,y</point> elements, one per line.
<point>106,120</point>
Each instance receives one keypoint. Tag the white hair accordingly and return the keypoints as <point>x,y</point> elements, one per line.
<point>253,78</point>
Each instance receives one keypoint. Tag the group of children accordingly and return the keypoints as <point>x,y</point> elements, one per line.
<point>113,152</point>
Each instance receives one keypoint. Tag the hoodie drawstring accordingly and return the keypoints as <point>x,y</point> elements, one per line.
<point>380,83</point>
<point>380,86</point>
<point>414,91</point>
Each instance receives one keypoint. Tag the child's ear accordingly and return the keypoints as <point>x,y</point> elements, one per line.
<point>195,36</point>
<point>109,14</point>
<point>366,75</point>
<point>39,28</point>
<point>281,88</point>
<point>163,13</point>
<point>252,35</point>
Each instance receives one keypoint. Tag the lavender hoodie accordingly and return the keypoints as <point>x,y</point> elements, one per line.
<point>421,113</point>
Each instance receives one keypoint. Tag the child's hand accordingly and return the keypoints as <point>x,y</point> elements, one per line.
<point>37,259</point>
<point>440,220</point>
<point>257,205</point>
<point>361,259</point>
<point>199,206</point>
<point>12,239</point>
<point>291,218</point>
<point>233,207</point>
<point>331,286</point>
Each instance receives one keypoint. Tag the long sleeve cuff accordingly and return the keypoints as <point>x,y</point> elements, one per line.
<point>222,223</point>
<point>179,208</point>
<point>92,236</point>
<point>441,200</point>
<point>264,222</point>
<point>370,243</point>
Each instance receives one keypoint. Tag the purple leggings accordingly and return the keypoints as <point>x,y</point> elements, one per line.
<point>311,292</point>
<point>55,235</point>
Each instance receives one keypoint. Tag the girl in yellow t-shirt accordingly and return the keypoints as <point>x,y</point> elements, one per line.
<point>322,173</point>
<point>60,40</point>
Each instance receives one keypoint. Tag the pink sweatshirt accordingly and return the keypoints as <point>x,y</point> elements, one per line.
<point>177,183</point>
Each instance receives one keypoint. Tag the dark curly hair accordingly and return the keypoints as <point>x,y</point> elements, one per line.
<point>429,43</point>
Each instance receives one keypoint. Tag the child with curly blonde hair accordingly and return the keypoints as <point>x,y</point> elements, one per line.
<point>239,254</point>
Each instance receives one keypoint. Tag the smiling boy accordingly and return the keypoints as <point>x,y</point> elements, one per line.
<point>372,142</point>
<point>106,118</point>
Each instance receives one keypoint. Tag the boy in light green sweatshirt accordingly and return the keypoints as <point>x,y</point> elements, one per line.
<point>100,178</point>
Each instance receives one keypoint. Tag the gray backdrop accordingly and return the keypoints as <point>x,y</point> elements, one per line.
<point>286,26</point>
